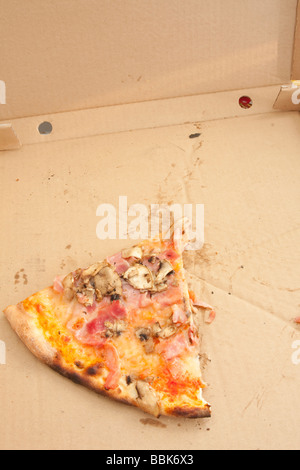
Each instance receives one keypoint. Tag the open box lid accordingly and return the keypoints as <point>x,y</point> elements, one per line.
<point>70,55</point>
<point>143,99</point>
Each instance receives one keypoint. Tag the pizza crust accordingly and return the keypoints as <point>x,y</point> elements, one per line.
<point>25,326</point>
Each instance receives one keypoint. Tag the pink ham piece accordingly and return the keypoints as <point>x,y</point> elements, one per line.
<point>172,347</point>
<point>211,317</point>
<point>113,311</point>
<point>112,362</point>
<point>57,284</point>
<point>179,315</point>
<point>92,332</point>
<point>134,298</point>
<point>171,296</point>
<point>120,264</point>
<point>193,337</point>
<point>169,254</point>
<point>153,264</point>
<point>175,367</point>
<point>212,313</point>
<point>199,303</point>
<point>131,296</point>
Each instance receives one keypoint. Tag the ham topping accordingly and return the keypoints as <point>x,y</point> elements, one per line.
<point>168,297</point>
<point>172,347</point>
<point>93,331</point>
<point>134,298</point>
<point>179,315</point>
<point>111,312</point>
<point>169,254</point>
<point>120,264</point>
<point>112,362</point>
<point>58,285</point>
<point>199,304</point>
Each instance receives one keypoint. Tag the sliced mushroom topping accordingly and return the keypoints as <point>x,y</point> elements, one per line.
<point>153,259</point>
<point>139,277</point>
<point>135,252</point>
<point>156,328</point>
<point>115,297</point>
<point>167,332</point>
<point>159,287</point>
<point>131,378</point>
<point>68,281</point>
<point>107,282</point>
<point>165,269</point>
<point>68,284</point>
<point>143,334</point>
<point>115,328</point>
<point>86,296</point>
<point>147,399</point>
<point>92,270</point>
<point>149,346</point>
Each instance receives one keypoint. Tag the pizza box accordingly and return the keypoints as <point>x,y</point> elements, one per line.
<point>133,105</point>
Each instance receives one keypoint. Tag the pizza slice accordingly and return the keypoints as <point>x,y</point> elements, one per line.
<point>126,327</point>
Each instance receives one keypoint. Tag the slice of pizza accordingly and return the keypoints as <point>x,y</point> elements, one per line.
<point>125,327</point>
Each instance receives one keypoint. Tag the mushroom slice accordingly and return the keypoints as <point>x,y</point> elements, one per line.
<point>139,277</point>
<point>86,296</point>
<point>149,346</point>
<point>156,328</point>
<point>167,331</point>
<point>143,334</point>
<point>92,270</point>
<point>135,252</point>
<point>147,399</point>
<point>115,328</point>
<point>107,282</point>
<point>165,269</point>
<point>68,283</point>
<point>159,287</point>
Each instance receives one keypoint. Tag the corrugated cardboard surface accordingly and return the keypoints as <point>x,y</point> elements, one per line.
<point>64,55</point>
<point>246,172</point>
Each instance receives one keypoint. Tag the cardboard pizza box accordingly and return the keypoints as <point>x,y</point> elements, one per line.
<point>139,102</point>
